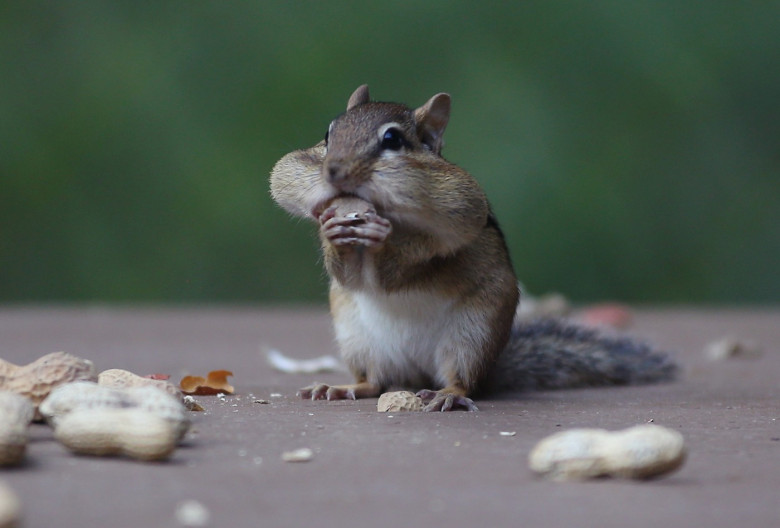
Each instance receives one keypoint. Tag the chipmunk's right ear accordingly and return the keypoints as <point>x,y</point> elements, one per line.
<point>358,97</point>
<point>432,119</point>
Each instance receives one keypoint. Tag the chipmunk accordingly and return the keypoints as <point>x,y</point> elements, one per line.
<point>423,293</point>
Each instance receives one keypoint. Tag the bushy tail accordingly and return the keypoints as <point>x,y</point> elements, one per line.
<point>555,354</point>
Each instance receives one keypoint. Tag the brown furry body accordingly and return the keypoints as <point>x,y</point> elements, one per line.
<point>423,294</point>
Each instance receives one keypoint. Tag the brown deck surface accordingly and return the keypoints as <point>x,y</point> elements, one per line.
<point>374,469</point>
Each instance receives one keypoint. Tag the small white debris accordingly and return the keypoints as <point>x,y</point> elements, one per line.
<point>732,348</point>
<point>275,395</point>
<point>192,513</point>
<point>192,404</point>
<point>549,305</point>
<point>298,455</point>
<point>289,365</point>
<point>262,402</point>
<point>508,433</point>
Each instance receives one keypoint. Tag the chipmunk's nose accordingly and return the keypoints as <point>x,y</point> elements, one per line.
<point>337,172</point>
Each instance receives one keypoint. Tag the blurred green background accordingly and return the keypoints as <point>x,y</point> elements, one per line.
<point>631,150</point>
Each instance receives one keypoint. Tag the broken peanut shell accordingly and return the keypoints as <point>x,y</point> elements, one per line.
<point>399,401</point>
<point>352,207</point>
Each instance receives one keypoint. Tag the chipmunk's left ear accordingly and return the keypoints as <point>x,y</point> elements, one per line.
<point>432,119</point>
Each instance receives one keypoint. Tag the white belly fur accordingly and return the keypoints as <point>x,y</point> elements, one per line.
<point>395,337</point>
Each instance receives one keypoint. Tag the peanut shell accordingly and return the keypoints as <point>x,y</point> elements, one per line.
<point>131,432</point>
<point>352,206</point>
<point>10,508</point>
<point>120,379</point>
<point>37,379</point>
<point>16,413</point>
<point>84,395</point>
<point>639,452</point>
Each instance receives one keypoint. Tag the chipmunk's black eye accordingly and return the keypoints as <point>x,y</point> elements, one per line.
<point>392,139</point>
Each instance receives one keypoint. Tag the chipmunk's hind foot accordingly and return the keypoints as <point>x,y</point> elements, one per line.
<point>445,401</point>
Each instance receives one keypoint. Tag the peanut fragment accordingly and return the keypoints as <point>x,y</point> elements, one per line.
<point>399,401</point>
<point>215,382</point>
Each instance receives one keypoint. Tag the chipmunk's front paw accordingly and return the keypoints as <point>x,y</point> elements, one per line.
<point>367,229</point>
<point>445,401</point>
<point>320,391</point>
